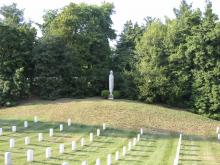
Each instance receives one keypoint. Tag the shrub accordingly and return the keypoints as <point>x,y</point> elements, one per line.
<point>116,94</point>
<point>10,103</point>
<point>105,94</point>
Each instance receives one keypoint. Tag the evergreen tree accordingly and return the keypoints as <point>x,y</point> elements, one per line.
<point>204,45</point>
<point>123,61</point>
<point>180,61</point>
<point>151,64</point>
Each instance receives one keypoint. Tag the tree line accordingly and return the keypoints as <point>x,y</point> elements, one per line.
<point>71,59</point>
<point>174,62</point>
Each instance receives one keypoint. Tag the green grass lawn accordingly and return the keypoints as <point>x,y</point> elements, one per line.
<point>124,119</point>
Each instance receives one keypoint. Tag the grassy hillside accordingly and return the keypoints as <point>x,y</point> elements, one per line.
<point>124,118</point>
<point>118,113</point>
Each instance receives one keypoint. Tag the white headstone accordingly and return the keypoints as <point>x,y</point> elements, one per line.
<point>134,142</point>
<point>8,158</point>
<point>98,161</point>
<point>1,131</point>
<point>218,136</point>
<point>65,163</point>
<point>27,140</point>
<point>141,131</point>
<point>30,155</point>
<point>25,124</point>
<point>109,159</point>
<point>124,151</point>
<point>98,132</point>
<point>176,160</point>
<point>12,143</point>
<point>40,137</point>
<point>14,128</point>
<point>117,155</point>
<point>61,149</point>
<point>82,142</point>
<point>217,130</point>
<point>35,119</point>
<point>138,137</point>
<point>73,145</point>
<point>104,126</point>
<point>84,162</point>
<point>61,127</point>
<point>69,122</point>
<point>48,152</point>
<point>51,132</point>
<point>129,146</point>
<point>91,137</point>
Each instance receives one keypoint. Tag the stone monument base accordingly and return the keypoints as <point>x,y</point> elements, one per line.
<point>111,97</point>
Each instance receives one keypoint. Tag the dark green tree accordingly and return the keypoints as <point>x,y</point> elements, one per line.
<point>16,44</point>
<point>180,61</point>
<point>48,18</point>
<point>151,64</point>
<point>123,59</point>
<point>56,69</point>
<point>85,30</point>
<point>12,15</point>
<point>204,46</point>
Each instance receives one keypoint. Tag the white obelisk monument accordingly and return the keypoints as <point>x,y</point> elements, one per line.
<point>111,85</point>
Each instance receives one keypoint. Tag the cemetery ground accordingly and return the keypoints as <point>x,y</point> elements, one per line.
<point>157,146</point>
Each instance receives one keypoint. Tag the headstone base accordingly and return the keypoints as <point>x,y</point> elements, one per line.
<point>111,97</point>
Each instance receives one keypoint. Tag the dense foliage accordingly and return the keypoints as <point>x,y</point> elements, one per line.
<point>72,58</point>
<point>16,45</point>
<point>178,61</point>
<point>123,59</point>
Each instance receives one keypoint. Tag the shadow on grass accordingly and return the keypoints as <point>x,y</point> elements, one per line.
<point>44,162</point>
<point>191,160</point>
<point>69,131</point>
<point>132,160</point>
<point>75,128</point>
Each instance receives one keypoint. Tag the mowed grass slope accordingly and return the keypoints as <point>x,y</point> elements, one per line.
<point>124,119</point>
<point>118,113</point>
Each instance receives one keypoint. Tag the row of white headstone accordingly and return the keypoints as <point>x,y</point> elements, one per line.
<point>117,153</point>
<point>48,151</point>
<point>40,138</point>
<point>176,160</point>
<point>30,157</point>
<point>124,150</point>
<point>14,128</point>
